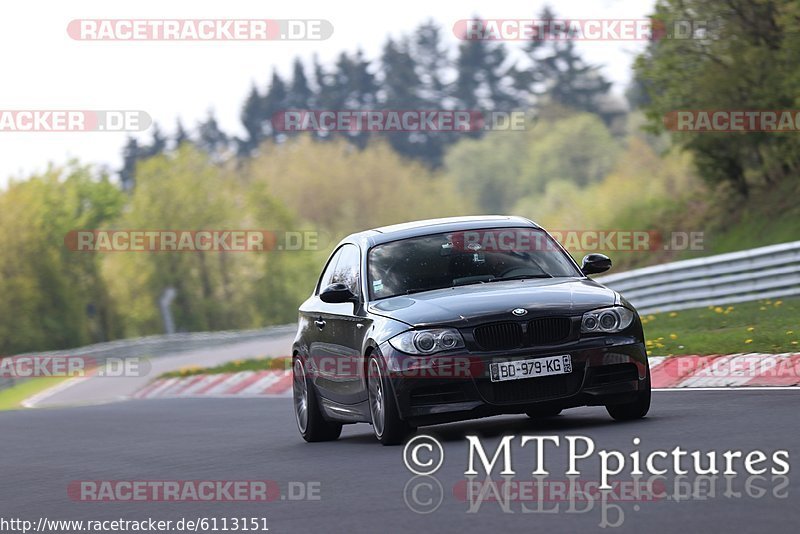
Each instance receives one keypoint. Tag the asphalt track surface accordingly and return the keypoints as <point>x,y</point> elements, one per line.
<point>97,390</point>
<point>364,487</point>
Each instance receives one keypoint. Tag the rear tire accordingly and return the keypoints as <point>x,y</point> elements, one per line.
<point>386,422</point>
<point>310,422</point>
<point>633,410</point>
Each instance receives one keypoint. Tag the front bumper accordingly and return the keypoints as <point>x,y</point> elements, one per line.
<point>445,388</point>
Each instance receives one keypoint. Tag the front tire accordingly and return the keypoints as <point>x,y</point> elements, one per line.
<point>633,410</point>
<point>310,422</point>
<point>386,422</point>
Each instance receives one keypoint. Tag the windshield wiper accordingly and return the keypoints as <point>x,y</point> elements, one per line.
<point>521,277</point>
<point>480,281</point>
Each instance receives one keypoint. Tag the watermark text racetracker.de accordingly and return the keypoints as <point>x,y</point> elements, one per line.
<point>73,120</point>
<point>733,120</point>
<point>490,29</point>
<point>507,240</point>
<point>193,490</point>
<point>200,29</point>
<point>72,366</point>
<point>208,240</point>
<point>398,120</point>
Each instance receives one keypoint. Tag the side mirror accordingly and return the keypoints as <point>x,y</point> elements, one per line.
<point>595,263</point>
<point>337,294</point>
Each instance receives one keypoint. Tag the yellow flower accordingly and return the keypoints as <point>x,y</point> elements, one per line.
<point>750,329</point>
<point>789,332</point>
<point>718,309</point>
<point>729,308</point>
<point>748,341</point>
<point>673,314</point>
<point>651,317</point>
<point>794,342</point>
<point>762,308</point>
<point>673,336</point>
<point>778,303</point>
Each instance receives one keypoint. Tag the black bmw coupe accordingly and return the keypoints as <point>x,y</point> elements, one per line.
<point>458,318</point>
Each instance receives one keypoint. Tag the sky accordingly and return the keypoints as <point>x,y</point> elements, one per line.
<point>45,69</point>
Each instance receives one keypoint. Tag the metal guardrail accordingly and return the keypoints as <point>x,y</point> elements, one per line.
<point>759,273</point>
<point>156,346</point>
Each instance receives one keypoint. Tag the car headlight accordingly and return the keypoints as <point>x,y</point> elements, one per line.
<point>606,320</point>
<point>427,342</point>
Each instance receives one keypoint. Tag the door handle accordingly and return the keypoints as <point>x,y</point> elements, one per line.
<point>320,323</point>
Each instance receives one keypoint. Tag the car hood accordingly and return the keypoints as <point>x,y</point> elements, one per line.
<point>480,303</point>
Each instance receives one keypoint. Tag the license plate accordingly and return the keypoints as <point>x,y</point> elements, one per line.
<point>552,365</point>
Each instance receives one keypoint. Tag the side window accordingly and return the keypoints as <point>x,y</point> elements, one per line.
<point>326,279</point>
<point>347,269</point>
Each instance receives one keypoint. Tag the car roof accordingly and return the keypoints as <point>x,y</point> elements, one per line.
<point>394,232</point>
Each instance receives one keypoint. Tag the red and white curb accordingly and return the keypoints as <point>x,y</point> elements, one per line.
<point>679,372</point>
<point>733,370</point>
<point>244,384</point>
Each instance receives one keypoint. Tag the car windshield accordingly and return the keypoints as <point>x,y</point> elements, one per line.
<point>468,257</point>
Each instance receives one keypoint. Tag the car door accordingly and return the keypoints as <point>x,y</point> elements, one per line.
<point>317,326</point>
<point>341,368</point>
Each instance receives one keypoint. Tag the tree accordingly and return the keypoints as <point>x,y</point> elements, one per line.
<point>46,288</point>
<point>555,73</point>
<point>489,169</point>
<point>183,191</point>
<point>211,139</point>
<point>579,149</point>
<point>483,81</point>
<point>181,136</point>
<point>332,187</point>
<point>252,118</point>
<point>504,166</point>
<point>131,155</point>
<point>745,61</point>
<point>400,87</point>
<point>300,95</point>
<point>274,101</point>
<point>158,143</point>
<point>432,62</point>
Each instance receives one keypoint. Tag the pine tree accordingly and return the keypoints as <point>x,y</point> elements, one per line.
<point>131,154</point>
<point>253,122</point>
<point>484,81</point>
<point>181,136</point>
<point>275,101</point>
<point>300,95</point>
<point>211,139</point>
<point>157,145</point>
<point>556,73</point>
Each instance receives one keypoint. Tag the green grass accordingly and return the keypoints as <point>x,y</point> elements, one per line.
<point>236,366</point>
<point>769,216</point>
<point>770,326</point>
<point>11,398</point>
